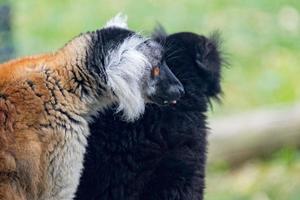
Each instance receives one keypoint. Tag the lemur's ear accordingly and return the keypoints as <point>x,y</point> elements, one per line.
<point>159,34</point>
<point>119,21</point>
<point>209,59</point>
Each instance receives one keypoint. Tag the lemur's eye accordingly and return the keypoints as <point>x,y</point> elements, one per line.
<point>155,71</point>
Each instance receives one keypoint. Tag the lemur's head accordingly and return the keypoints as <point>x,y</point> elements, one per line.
<point>133,68</point>
<point>197,62</point>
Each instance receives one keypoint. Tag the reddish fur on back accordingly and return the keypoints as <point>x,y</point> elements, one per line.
<point>28,133</point>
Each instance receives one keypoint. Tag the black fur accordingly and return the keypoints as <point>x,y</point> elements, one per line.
<point>162,156</point>
<point>102,41</point>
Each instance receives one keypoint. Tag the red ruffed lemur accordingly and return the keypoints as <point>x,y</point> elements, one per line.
<point>46,102</point>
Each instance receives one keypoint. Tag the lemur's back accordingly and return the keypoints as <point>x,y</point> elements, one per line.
<point>25,93</point>
<point>15,69</point>
<point>24,90</point>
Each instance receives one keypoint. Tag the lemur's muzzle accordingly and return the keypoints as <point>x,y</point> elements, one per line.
<point>168,88</point>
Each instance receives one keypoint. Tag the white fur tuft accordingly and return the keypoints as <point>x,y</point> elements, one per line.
<point>126,67</point>
<point>119,20</point>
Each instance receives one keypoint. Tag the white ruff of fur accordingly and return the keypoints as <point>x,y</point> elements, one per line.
<point>126,67</point>
<point>119,20</point>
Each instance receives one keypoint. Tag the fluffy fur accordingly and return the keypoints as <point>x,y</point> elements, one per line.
<point>119,20</point>
<point>125,69</point>
<point>46,101</point>
<point>161,156</point>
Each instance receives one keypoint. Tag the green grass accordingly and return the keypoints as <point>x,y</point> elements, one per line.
<point>261,41</point>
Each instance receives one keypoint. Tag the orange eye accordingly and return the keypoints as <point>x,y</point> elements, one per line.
<point>156,71</point>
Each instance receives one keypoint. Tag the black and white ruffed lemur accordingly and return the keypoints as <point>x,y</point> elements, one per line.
<point>46,102</point>
<point>162,156</point>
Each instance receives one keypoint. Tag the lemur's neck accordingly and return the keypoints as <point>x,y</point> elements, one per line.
<point>105,67</point>
<point>71,68</point>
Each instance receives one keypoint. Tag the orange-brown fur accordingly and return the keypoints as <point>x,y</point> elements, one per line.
<point>29,126</point>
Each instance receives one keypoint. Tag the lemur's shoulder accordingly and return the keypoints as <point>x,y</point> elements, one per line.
<point>23,91</point>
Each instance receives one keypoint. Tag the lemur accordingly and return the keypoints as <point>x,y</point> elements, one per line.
<point>162,156</point>
<point>47,101</point>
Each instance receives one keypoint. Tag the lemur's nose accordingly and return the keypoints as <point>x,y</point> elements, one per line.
<point>175,92</point>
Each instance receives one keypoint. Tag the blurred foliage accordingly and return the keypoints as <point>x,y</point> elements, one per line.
<point>275,178</point>
<point>261,42</point>
<point>6,43</point>
<point>261,38</point>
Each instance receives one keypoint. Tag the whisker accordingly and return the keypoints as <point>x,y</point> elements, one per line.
<point>172,58</point>
<point>173,52</point>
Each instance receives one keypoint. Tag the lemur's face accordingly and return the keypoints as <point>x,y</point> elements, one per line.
<point>196,60</point>
<point>161,86</point>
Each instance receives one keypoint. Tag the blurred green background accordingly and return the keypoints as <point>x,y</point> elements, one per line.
<point>262,45</point>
